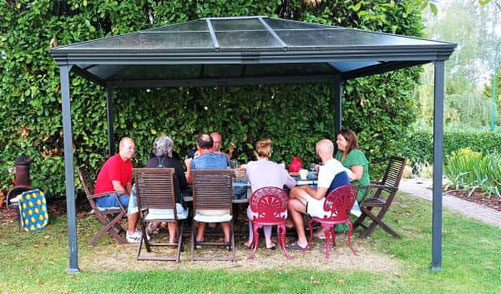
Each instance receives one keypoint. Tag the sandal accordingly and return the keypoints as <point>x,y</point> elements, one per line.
<point>198,246</point>
<point>295,246</point>
<point>273,247</point>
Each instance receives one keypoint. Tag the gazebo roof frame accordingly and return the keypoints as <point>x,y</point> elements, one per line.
<point>217,51</point>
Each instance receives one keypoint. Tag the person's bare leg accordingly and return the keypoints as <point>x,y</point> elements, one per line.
<point>226,231</point>
<point>297,209</point>
<point>172,232</point>
<point>251,236</point>
<point>200,231</point>
<point>293,194</point>
<point>132,222</point>
<point>267,236</point>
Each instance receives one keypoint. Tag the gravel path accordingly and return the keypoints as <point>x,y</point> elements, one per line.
<point>420,188</point>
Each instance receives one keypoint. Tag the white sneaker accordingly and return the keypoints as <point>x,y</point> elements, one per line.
<point>135,237</point>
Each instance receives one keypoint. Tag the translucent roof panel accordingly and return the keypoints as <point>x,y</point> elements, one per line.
<point>248,48</point>
<point>195,25</point>
<point>240,25</point>
<point>247,39</point>
<point>151,40</point>
<point>345,37</point>
<point>105,71</point>
<point>347,66</point>
<point>288,69</point>
<point>280,24</point>
<point>158,72</point>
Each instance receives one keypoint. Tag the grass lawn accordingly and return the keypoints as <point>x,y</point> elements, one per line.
<point>471,263</point>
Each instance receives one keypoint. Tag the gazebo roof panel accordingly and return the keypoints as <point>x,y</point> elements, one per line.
<point>150,41</point>
<point>247,33</point>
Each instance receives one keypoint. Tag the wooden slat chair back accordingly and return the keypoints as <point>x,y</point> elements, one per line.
<point>155,191</point>
<point>213,190</point>
<point>337,207</point>
<point>374,197</point>
<point>110,218</point>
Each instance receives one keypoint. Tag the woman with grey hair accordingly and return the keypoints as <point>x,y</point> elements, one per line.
<point>162,149</point>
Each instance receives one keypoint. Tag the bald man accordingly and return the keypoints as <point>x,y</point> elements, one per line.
<point>307,200</point>
<point>218,139</point>
<point>116,177</point>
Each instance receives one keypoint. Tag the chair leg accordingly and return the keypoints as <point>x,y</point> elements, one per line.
<point>179,240</point>
<point>145,238</point>
<point>233,249</point>
<point>349,238</point>
<point>281,240</point>
<point>327,233</point>
<point>377,220</point>
<point>255,240</point>
<point>193,228</point>
<point>108,228</point>
<point>310,240</point>
<point>333,232</point>
<point>19,220</point>
<point>360,219</point>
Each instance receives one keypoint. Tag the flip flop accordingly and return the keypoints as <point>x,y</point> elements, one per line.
<point>295,246</point>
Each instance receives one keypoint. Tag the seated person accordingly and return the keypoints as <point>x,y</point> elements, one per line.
<point>116,176</point>
<point>265,173</point>
<point>306,200</point>
<point>163,159</point>
<point>217,139</point>
<point>208,159</point>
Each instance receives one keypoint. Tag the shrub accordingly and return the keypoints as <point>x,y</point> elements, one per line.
<point>471,170</point>
<point>379,108</point>
<point>419,146</point>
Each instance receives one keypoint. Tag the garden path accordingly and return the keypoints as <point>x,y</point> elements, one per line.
<point>421,189</point>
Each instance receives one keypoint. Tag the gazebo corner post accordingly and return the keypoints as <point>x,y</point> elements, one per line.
<point>438,144</point>
<point>69,170</point>
<point>338,104</point>
<point>110,119</point>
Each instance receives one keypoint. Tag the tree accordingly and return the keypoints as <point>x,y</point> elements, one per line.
<point>474,28</point>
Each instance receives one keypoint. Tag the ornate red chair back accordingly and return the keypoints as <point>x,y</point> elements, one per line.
<point>270,205</point>
<point>339,202</point>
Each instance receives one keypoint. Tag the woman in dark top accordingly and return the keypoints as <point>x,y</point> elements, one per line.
<point>162,149</point>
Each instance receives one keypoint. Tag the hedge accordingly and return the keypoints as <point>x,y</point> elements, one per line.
<point>419,148</point>
<point>379,108</point>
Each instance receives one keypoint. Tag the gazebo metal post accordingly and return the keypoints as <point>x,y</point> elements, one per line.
<point>69,170</point>
<point>338,104</point>
<point>438,143</point>
<point>110,119</point>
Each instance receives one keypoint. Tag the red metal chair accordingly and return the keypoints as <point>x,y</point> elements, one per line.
<point>269,205</point>
<point>337,208</point>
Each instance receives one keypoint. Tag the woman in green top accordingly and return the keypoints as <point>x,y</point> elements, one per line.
<point>352,158</point>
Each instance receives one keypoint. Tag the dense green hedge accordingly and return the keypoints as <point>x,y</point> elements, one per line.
<point>419,148</point>
<point>380,108</point>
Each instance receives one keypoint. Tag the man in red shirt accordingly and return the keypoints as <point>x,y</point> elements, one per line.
<point>116,176</point>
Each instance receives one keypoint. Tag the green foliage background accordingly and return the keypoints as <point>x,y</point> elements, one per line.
<point>420,143</point>
<point>379,108</point>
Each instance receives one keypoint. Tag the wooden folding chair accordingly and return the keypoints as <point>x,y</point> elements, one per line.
<point>110,217</point>
<point>156,201</point>
<point>212,190</point>
<point>380,195</point>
